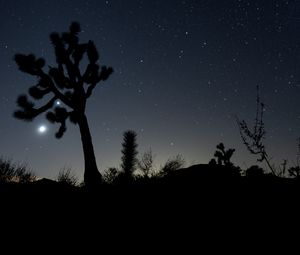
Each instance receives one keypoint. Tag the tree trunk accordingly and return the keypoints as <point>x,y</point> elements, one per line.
<point>92,176</point>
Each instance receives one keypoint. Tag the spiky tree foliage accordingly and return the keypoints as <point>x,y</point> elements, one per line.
<point>70,85</point>
<point>223,156</point>
<point>129,153</point>
<point>253,138</point>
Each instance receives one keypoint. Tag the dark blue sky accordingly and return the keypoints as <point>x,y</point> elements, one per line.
<point>183,70</point>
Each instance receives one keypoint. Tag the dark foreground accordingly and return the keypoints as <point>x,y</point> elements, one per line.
<point>148,211</point>
<point>184,191</point>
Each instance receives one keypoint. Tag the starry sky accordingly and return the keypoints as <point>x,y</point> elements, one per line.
<point>183,69</point>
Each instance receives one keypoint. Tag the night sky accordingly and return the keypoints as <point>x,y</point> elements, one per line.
<point>183,70</point>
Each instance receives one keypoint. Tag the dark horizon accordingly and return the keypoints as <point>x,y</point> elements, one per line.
<point>183,71</point>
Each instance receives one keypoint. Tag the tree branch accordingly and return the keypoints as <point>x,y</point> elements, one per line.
<point>29,114</point>
<point>104,74</point>
<point>45,107</point>
<point>90,90</point>
<point>53,88</point>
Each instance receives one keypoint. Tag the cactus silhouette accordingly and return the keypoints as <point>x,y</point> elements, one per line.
<point>67,83</point>
<point>129,153</point>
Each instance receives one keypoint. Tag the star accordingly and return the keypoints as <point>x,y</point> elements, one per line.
<point>42,129</point>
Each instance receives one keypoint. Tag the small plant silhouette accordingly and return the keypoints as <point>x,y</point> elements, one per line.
<point>294,172</point>
<point>68,84</point>
<point>145,164</point>
<point>67,177</point>
<point>253,138</point>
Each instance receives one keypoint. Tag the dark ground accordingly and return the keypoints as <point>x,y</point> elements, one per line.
<point>188,207</point>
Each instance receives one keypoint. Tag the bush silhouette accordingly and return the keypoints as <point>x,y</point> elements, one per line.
<point>70,86</point>
<point>111,175</point>
<point>145,164</point>
<point>172,164</point>
<point>10,172</point>
<point>254,172</point>
<point>65,176</point>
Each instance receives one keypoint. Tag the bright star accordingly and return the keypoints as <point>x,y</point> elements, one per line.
<point>42,129</point>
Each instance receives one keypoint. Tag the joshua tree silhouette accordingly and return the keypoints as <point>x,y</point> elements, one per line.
<point>70,86</point>
<point>223,155</point>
